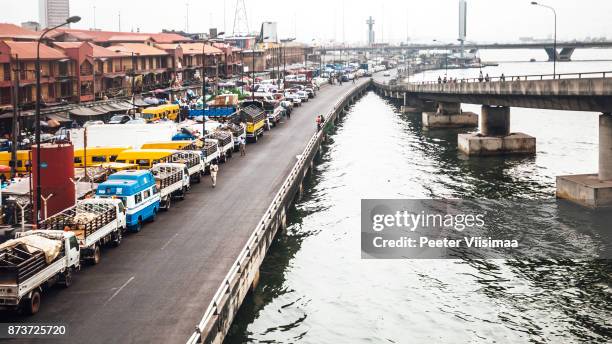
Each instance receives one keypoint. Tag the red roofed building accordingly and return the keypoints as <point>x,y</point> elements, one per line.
<point>107,38</point>
<point>58,73</point>
<point>152,65</point>
<point>12,32</point>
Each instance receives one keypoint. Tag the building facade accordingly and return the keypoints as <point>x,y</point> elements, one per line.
<point>53,12</point>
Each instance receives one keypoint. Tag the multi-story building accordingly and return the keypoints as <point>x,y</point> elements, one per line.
<point>58,74</point>
<point>53,12</point>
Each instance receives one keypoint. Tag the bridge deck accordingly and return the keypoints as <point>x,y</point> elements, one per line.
<point>156,286</point>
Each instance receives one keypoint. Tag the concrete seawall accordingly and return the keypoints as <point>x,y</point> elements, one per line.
<point>244,273</point>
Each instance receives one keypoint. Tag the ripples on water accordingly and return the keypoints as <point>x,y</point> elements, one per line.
<point>315,288</point>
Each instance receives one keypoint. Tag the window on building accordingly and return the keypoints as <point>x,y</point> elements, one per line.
<point>6,70</point>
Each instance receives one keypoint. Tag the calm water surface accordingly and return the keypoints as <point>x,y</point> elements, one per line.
<point>315,288</point>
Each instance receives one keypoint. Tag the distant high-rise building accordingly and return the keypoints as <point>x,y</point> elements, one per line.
<point>371,37</point>
<point>53,12</point>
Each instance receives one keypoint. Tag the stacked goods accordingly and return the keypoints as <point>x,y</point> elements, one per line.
<point>223,137</point>
<point>25,256</point>
<point>188,157</point>
<point>252,114</point>
<point>83,219</point>
<point>225,100</point>
<point>166,175</point>
<point>236,129</point>
<point>209,148</point>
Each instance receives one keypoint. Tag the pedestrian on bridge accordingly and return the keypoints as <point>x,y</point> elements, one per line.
<point>480,77</point>
<point>214,169</point>
<point>502,78</point>
<point>318,120</point>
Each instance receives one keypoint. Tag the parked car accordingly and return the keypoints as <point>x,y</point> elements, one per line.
<point>88,123</point>
<point>387,73</point>
<point>119,119</point>
<point>136,121</point>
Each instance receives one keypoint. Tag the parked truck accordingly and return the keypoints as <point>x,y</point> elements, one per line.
<point>225,141</point>
<point>192,159</point>
<point>33,261</point>
<point>95,222</point>
<point>210,149</point>
<point>254,117</point>
<point>172,181</point>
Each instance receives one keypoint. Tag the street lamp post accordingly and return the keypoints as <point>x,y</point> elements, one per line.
<point>73,19</point>
<point>204,84</point>
<point>257,40</point>
<point>554,38</point>
<point>284,53</point>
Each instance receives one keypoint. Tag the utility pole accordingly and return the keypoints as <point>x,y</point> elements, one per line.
<point>15,128</point>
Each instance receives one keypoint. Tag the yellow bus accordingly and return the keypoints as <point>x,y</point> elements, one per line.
<point>97,155</point>
<point>169,111</point>
<point>23,160</point>
<point>144,158</point>
<point>153,114</point>
<point>119,166</point>
<point>179,145</point>
<point>172,111</point>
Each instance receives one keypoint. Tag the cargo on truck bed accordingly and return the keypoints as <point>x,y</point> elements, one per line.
<point>254,116</point>
<point>32,261</point>
<point>94,222</point>
<point>172,181</point>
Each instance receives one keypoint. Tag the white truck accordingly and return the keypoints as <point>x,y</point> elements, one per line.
<point>210,149</point>
<point>193,160</point>
<point>225,141</point>
<point>94,221</point>
<point>172,181</point>
<point>33,261</point>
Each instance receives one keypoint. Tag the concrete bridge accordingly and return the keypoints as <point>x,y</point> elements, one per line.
<point>440,106</point>
<point>564,49</point>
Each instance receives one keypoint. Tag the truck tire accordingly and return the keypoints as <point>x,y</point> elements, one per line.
<point>117,238</point>
<point>255,138</point>
<point>67,278</point>
<point>32,305</point>
<point>95,258</point>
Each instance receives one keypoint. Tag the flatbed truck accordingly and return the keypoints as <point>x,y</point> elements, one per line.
<point>32,262</point>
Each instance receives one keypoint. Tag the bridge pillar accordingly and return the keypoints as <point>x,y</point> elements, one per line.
<point>449,115</point>
<point>592,190</point>
<point>495,137</point>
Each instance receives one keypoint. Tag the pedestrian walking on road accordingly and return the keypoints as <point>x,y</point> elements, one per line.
<point>214,168</point>
<point>242,146</point>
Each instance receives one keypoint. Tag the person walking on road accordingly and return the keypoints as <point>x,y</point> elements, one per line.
<point>214,168</point>
<point>318,120</point>
<point>242,146</point>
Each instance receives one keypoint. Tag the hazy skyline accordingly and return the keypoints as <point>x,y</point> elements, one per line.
<point>488,20</point>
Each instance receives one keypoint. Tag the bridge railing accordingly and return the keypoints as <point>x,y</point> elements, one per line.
<point>510,78</point>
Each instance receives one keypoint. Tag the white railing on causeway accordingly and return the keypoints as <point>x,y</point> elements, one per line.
<point>245,253</point>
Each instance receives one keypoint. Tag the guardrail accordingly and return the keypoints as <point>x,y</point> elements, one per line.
<point>529,77</point>
<point>244,258</point>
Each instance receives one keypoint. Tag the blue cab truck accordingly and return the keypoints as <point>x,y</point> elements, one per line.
<point>138,192</point>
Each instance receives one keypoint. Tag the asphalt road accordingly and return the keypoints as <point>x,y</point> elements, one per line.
<point>156,286</point>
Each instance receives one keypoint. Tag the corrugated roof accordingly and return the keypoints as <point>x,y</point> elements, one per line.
<point>13,31</point>
<point>196,48</point>
<point>109,36</point>
<point>99,51</point>
<point>129,38</point>
<point>138,48</point>
<point>27,50</point>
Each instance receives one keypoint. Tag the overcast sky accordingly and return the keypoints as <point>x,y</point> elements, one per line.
<point>422,20</point>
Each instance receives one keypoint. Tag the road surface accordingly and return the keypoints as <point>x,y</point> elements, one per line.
<point>156,286</point>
